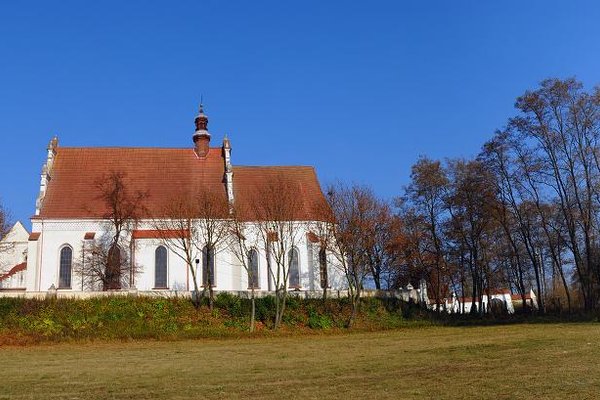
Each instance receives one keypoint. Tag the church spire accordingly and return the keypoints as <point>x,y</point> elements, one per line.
<point>201,136</point>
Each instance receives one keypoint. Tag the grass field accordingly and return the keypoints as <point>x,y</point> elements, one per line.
<point>553,361</point>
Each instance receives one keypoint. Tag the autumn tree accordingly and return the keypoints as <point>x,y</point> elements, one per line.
<point>350,206</point>
<point>426,196</point>
<point>383,239</point>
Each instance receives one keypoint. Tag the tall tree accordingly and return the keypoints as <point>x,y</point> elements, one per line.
<point>561,121</point>
<point>245,240</point>
<point>383,238</point>
<point>426,193</point>
<point>470,202</point>
<point>350,207</point>
<point>277,208</point>
<point>108,263</point>
<point>214,228</point>
<point>177,230</point>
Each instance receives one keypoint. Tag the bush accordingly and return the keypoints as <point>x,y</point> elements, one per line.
<point>319,321</point>
<point>265,309</point>
<point>230,303</point>
<point>121,317</point>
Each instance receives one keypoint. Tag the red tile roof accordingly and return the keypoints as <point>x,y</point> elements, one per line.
<point>162,174</point>
<point>159,234</point>
<point>249,182</point>
<point>89,236</point>
<point>34,236</point>
<point>312,237</point>
<point>517,297</point>
<point>14,270</point>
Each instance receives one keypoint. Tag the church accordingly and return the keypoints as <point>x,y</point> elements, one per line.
<point>72,218</point>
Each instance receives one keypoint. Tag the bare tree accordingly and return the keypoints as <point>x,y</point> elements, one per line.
<point>177,230</point>
<point>214,227</point>
<point>5,227</point>
<point>560,122</point>
<point>509,211</point>
<point>322,232</point>
<point>244,244</point>
<point>471,201</point>
<point>196,224</point>
<point>280,223</point>
<point>108,263</point>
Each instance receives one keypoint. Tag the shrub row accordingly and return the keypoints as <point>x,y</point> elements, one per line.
<point>109,318</point>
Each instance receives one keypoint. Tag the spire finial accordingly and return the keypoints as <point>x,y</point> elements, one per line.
<point>201,119</point>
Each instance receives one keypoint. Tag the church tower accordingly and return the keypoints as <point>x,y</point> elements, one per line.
<point>201,136</point>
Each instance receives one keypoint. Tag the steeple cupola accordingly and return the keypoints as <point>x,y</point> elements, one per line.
<point>201,136</point>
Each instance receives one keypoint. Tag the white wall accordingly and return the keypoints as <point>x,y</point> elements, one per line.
<point>44,254</point>
<point>13,251</point>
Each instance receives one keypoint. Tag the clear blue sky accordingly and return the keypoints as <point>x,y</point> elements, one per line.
<point>357,89</point>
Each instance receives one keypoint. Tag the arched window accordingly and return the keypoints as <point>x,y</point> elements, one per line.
<point>114,268</point>
<point>294,271</point>
<point>323,268</point>
<point>253,269</point>
<point>160,268</point>
<point>208,267</point>
<point>66,264</point>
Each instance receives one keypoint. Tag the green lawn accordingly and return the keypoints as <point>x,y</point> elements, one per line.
<point>502,362</point>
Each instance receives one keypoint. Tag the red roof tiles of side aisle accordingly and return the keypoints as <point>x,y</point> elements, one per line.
<point>14,270</point>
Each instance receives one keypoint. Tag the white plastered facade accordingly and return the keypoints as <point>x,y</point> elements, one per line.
<point>13,251</point>
<point>43,262</point>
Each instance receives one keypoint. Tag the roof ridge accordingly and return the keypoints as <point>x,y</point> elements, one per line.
<point>126,148</point>
<point>274,166</point>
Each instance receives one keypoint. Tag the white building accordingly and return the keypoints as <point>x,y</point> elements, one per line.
<point>71,218</point>
<point>13,259</point>
<point>500,300</point>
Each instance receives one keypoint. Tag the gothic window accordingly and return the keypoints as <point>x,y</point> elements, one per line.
<point>160,267</point>
<point>208,267</point>
<point>323,268</point>
<point>112,273</point>
<point>66,264</point>
<point>253,269</point>
<point>294,271</point>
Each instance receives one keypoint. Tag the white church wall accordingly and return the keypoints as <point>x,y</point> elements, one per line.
<point>44,260</point>
<point>50,244</point>
<point>33,263</point>
<point>13,251</point>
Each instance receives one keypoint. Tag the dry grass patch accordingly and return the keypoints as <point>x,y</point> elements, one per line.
<point>502,362</point>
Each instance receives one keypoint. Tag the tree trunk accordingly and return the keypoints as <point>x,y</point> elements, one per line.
<point>252,310</point>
